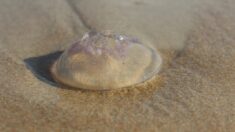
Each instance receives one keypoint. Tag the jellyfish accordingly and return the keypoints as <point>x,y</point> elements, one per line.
<point>106,61</point>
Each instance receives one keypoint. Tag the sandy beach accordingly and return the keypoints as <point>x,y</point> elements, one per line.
<point>194,90</point>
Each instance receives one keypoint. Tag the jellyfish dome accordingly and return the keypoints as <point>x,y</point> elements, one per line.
<point>105,61</point>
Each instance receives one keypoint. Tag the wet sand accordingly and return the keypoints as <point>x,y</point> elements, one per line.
<point>194,91</point>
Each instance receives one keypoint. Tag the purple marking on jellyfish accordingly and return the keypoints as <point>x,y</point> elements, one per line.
<point>76,47</point>
<point>95,43</point>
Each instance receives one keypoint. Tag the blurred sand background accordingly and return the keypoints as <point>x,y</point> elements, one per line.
<point>195,90</point>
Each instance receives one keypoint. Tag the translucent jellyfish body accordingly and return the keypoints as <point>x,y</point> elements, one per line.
<point>104,61</point>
